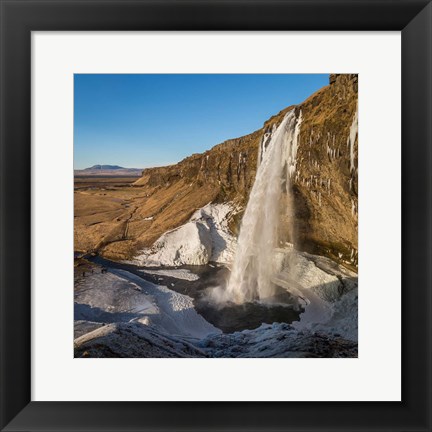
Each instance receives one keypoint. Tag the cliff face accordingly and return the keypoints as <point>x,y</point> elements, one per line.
<point>226,172</point>
<point>223,174</point>
<point>326,181</point>
<point>324,186</point>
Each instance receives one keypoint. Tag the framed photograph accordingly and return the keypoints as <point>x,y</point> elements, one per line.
<point>216,216</point>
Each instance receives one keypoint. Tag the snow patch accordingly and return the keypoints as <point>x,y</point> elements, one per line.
<point>351,140</point>
<point>277,340</point>
<point>122,297</point>
<point>176,273</point>
<point>204,238</point>
<point>328,290</point>
<point>133,340</point>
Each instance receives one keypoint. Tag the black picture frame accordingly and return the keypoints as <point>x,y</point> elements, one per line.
<point>19,18</point>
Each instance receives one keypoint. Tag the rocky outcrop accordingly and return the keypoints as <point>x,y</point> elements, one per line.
<point>227,168</point>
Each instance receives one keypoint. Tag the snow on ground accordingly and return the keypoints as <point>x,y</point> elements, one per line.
<point>328,289</point>
<point>182,274</point>
<point>216,218</point>
<point>119,314</point>
<point>278,340</point>
<point>121,297</point>
<point>205,237</point>
<point>129,340</point>
<point>344,319</point>
<point>188,244</point>
<point>83,327</point>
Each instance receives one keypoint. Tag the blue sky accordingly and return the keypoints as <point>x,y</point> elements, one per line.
<point>139,121</point>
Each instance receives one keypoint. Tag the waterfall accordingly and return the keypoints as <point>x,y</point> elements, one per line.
<point>254,264</point>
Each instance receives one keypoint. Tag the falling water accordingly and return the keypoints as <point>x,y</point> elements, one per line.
<point>254,263</point>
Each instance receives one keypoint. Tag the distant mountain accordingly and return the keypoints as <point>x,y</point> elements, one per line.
<point>104,167</point>
<point>109,170</point>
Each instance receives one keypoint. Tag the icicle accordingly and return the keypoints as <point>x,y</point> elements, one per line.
<point>351,140</point>
<point>353,208</point>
